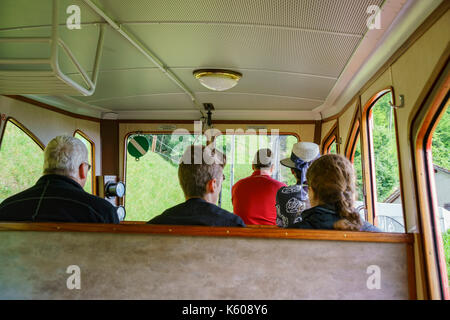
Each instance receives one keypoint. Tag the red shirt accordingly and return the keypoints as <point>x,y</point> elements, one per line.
<point>254,198</point>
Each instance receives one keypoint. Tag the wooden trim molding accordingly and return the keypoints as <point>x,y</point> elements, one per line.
<point>412,285</point>
<point>109,138</point>
<point>244,122</point>
<point>423,126</point>
<point>317,132</point>
<point>369,158</point>
<point>271,233</point>
<point>52,108</point>
<point>353,135</point>
<point>331,136</point>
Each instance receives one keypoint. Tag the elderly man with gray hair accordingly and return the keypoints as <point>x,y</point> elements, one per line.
<point>58,196</point>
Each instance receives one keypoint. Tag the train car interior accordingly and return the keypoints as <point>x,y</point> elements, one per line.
<point>140,81</point>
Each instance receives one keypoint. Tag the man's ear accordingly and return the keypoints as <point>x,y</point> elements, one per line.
<point>293,172</point>
<point>211,186</point>
<point>82,171</point>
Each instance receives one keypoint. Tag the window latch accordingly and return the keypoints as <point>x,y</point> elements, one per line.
<point>402,102</point>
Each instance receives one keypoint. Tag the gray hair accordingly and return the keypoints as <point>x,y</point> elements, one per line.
<point>64,155</point>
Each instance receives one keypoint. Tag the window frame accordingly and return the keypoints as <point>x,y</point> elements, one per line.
<point>355,136</point>
<point>422,129</point>
<point>93,167</point>
<point>368,155</point>
<point>192,132</point>
<point>22,127</point>
<point>332,136</point>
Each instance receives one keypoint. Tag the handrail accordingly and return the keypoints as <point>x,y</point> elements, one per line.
<point>55,43</point>
<point>269,233</point>
<point>145,51</point>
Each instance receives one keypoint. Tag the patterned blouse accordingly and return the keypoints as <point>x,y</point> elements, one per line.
<point>290,203</point>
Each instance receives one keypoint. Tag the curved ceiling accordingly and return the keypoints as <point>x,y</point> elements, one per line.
<point>291,53</point>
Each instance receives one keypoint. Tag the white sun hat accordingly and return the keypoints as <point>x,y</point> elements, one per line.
<point>304,151</point>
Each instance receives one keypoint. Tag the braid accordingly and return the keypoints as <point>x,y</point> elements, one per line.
<point>332,179</point>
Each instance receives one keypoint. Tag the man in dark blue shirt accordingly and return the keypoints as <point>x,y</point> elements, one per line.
<point>201,175</point>
<point>58,196</point>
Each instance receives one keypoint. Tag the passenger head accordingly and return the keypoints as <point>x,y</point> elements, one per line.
<point>302,155</point>
<point>67,156</point>
<point>201,172</point>
<point>263,160</point>
<point>331,180</point>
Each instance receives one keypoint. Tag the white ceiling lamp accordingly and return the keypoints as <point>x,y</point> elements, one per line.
<point>217,79</point>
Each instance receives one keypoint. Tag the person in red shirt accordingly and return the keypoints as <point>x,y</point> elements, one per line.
<point>254,197</point>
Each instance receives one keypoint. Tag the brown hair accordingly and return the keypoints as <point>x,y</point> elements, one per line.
<point>199,165</point>
<point>263,159</point>
<point>332,180</point>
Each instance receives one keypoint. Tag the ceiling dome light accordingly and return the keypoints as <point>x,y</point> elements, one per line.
<point>217,79</point>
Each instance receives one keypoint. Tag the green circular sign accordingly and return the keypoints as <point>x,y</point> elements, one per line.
<point>138,146</point>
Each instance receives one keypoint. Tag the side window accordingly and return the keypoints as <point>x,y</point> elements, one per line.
<point>329,144</point>
<point>152,181</point>
<point>357,163</point>
<point>353,152</point>
<point>384,164</point>
<point>21,158</point>
<point>431,141</point>
<point>89,186</point>
<point>332,148</point>
<point>441,168</point>
<point>240,150</point>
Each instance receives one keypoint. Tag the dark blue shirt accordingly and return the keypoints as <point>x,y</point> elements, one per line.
<point>324,217</point>
<point>198,212</point>
<point>56,198</point>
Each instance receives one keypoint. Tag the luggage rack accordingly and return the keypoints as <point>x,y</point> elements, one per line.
<point>52,81</point>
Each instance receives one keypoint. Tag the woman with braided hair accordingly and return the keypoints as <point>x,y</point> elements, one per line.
<point>331,188</point>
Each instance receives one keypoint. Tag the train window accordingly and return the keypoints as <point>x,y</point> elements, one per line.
<point>21,156</point>
<point>240,150</point>
<point>441,166</point>
<point>382,139</point>
<point>357,164</point>
<point>353,152</point>
<point>152,181</point>
<point>329,144</point>
<point>89,186</point>
<point>332,148</point>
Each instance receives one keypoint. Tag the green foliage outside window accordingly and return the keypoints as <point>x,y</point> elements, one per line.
<point>357,164</point>
<point>441,142</point>
<point>441,157</point>
<point>333,147</point>
<point>152,182</point>
<point>385,148</point>
<point>21,161</point>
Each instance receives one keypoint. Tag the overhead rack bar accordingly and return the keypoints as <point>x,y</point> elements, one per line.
<point>145,51</point>
<point>49,81</point>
